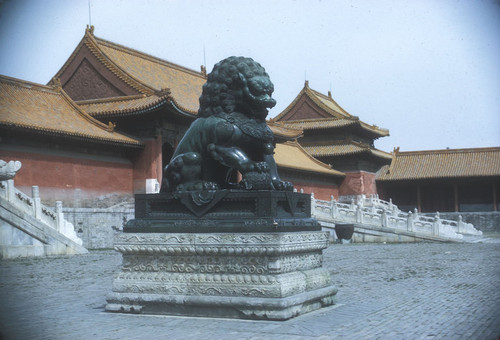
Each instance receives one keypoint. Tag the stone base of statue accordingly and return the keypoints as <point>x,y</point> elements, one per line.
<point>274,272</point>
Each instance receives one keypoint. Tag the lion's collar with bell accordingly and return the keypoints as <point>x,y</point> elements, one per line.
<point>250,127</point>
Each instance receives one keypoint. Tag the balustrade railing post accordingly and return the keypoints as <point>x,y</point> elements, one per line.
<point>59,215</point>
<point>359,212</point>
<point>37,204</point>
<point>459,224</point>
<point>335,210</point>
<point>11,190</point>
<point>436,225</point>
<point>313,204</point>
<point>409,221</point>
<point>333,207</point>
<point>384,220</point>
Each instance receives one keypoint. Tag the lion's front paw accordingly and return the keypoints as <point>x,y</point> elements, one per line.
<point>283,186</point>
<point>261,167</point>
<point>256,181</point>
<point>210,186</point>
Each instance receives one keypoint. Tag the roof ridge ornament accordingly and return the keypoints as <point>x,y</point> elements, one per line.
<point>90,29</point>
<point>111,127</point>
<point>164,91</point>
<point>56,83</point>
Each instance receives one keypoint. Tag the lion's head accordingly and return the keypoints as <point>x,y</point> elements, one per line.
<point>237,84</point>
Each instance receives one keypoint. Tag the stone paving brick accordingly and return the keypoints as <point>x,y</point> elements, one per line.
<point>392,291</point>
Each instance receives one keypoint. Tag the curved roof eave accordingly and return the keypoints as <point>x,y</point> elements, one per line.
<point>74,136</point>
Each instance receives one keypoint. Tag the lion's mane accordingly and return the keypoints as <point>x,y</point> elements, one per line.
<point>219,92</point>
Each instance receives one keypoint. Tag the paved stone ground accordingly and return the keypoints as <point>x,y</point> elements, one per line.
<point>386,291</point>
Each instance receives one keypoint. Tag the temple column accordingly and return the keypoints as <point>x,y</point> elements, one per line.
<point>455,196</point>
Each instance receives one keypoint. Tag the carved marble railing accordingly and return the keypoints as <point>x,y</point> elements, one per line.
<point>375,212</point>
<point>33,207</point>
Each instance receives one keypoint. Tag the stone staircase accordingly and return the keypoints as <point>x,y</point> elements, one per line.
<point>29,228</point>
<point>375,220</point>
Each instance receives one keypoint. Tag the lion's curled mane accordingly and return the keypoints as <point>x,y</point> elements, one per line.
<point>221,91</point>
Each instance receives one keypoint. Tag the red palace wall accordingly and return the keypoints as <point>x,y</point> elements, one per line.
<point>68,178</point>
<point>323,187</point>
<point>322,192</point>
<point>148,164</point>
<point>358,183</point>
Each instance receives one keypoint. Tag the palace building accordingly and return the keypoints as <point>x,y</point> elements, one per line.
<point>65,151</point>
<point>335,137</point>
<point>109,121</point>
<point>452,180</point>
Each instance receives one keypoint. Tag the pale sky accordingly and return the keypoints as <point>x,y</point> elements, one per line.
<point>429,71</point>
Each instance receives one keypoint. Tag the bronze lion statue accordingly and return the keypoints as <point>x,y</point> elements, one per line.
<point>229,145</point>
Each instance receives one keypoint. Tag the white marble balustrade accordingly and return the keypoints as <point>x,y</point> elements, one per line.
<point>32,206</point>
<point>372,211</point>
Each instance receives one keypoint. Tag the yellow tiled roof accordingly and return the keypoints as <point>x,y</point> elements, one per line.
<point>120,105</point>
<point>185,84</point>
<point>345,148</point>
<point>338,116</point>
<point>145,73</point>
<point>450,163</point>
<point>291,155</point>
<point>50,110</point>
<point>281,130</point>
<point>320,123</point>
<point>334,108</point>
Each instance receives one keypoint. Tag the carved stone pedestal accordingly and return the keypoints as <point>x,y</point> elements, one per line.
<point>261,275</point>
<point>226,253</point>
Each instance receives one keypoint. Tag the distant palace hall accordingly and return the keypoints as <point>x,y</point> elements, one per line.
<point>109,121</point>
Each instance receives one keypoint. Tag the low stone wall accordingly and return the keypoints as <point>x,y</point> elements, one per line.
<point>97,227</point>
<point>484,221</point>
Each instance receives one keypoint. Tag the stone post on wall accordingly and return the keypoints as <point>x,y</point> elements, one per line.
<point>59,215</point>
<point>436,224</point>
<point>459,224</point>
<point>37,204</point>
<point>334,209</point>
<point>11,190</point>
<point>409,225</point>
<point>384,219</point>
<point>359,212</point>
